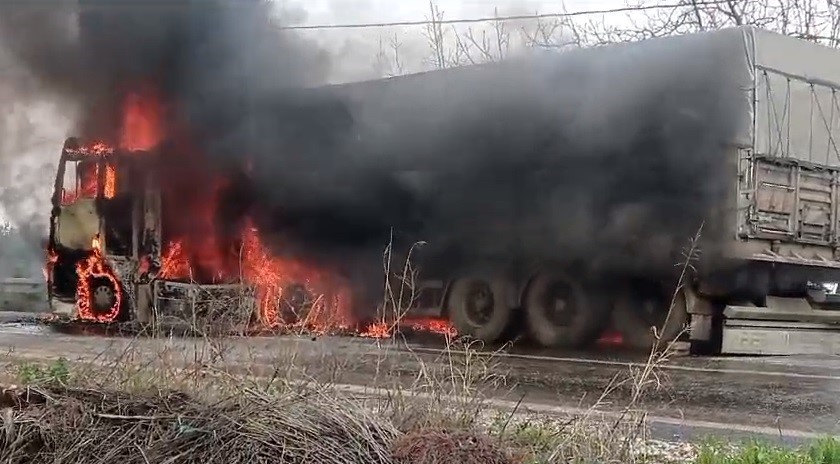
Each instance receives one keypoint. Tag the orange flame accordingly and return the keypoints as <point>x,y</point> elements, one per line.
<point>141,124</point>
<point>383,329</point>
<point>110,189</point>
<point>89,177</point>
<point>271,276</point>
<point>52,258</point>
<point>377,330</point>
<point>174,263</point>
<point>98,148</point>
<point>88,269</point>
<point>431,324</point>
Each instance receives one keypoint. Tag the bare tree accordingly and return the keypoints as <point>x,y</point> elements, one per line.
<point>815,20</point>
<point>553,34</point>
<point>436,36</point>
<point>388,61</point>
<point>451,45</point>
<point>481,46</point>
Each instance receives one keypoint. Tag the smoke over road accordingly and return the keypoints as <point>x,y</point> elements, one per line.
<point>608,157</point>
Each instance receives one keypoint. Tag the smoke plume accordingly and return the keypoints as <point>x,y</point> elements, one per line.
<point>604,160</point>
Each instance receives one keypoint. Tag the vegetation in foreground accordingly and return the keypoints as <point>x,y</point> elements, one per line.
<point>134,410</point>
<point>145,412</point>
<point>211,400</point>
<point>134,406</point>
<point>825,451</point>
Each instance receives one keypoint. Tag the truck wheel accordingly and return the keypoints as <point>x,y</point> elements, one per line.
<point>294,304</point>
<point>637,311</point>
<point>559,313</point>
<point>103,301</point>
<point>481,308</point>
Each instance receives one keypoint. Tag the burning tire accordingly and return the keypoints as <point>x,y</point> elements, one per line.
<point>481,308</point>
<point>104,303</point>
<point>559,313</point>
<point>104,297</point>
<point>295,304</point>
<point>639,308</point>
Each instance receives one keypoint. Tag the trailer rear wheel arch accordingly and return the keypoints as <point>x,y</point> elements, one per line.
<point>636,327</point>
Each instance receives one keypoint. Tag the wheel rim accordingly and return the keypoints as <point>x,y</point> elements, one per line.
<point>479,304</point>
<point>559,305</point>
<point>294,303</point>
<point>104,298</point>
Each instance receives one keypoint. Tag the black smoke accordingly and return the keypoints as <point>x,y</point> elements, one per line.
<point>605,160</point>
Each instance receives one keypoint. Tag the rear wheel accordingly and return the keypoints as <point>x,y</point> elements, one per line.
<point>559,313</point>
<point>640,309</point>
<point>481,308</point>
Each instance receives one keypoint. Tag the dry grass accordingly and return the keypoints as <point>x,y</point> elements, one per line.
<point>70,425</point>
<point>440,446</point>
<point>210,399</point>
<point>247,401</point>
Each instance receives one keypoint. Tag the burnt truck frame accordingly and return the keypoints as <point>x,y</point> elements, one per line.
<point>129,244</point>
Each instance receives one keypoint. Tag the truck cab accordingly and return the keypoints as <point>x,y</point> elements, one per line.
<point>104,238</point>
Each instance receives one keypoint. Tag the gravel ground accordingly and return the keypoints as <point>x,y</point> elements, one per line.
<point>591,428</point>
<point>645,450</point>
<point>664,452</point>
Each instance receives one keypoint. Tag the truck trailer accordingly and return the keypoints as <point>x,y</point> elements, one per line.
<point>765,282</point>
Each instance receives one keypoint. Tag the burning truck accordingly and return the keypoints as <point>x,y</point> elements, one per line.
<point>556,194</point>
<point>129,241</point>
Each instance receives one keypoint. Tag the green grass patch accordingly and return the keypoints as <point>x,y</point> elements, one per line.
<point>56,372</point>
<point>825,451</point>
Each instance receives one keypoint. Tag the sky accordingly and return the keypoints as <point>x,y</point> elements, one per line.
<point>355,50</point>
<point>329,11</point>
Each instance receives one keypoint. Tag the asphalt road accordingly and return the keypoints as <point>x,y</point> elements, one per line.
<point>778,398</point>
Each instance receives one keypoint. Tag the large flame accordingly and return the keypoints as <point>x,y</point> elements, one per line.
<point>87,187</point>
<point>273,277</point>
<point>288,291</point>
<point>89,270</point>
<point>141,125</point>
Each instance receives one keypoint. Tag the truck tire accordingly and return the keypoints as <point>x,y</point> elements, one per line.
<point>294,304</point>
<point>103,299</point>
<point>638,310</point>
<point>559,313</point>
<point>481,308</point>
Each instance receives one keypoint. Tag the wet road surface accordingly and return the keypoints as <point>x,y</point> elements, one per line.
<point>784,398</point>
